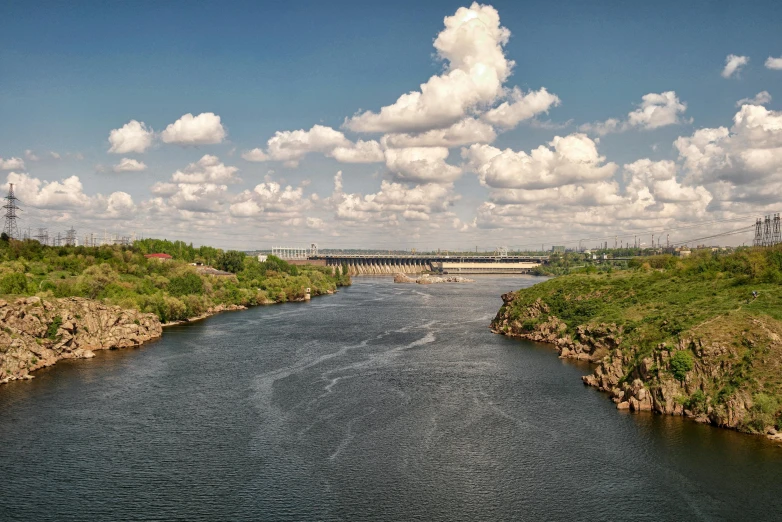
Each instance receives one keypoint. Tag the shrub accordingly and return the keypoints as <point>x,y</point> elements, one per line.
<point>762,413</point>
<point>697,402</point>
<point>14,283</point>
<point>51,332</point>
<point>681,364</point>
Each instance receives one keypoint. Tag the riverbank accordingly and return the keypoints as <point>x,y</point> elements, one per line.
<point>36,333</point>
<point>671,340</point>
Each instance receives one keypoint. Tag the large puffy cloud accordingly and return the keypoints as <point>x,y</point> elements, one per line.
<point>360,152</point>
<point>413,203</point>
<point>660,178</point>
<point>521,107</point>
<point>464,132</point>
<point>565,160</point>
<point>774,63</point>
<point>733,65</point>
<point>421,164</point>
<point>291,146</point>
<point>129,165</point>
<point>656,110</point>
<point>748,153</point>
<point>270,197</point>
<point>201,187</point>
<point>209,169</point>
<point>199,197</point>
<point>472,44</point>
<point>11,164</point>
<point>68,195</point>
<point>653,196</point>
<point>134,136</point>
<point>119,204</point>
<point>204,129</point>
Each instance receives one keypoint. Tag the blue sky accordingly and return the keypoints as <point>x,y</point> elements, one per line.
<point>71,73</point>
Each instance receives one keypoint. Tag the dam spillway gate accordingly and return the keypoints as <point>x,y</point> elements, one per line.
<point>415,264</point>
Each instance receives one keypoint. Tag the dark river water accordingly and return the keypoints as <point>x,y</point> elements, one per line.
<point>383,402</point>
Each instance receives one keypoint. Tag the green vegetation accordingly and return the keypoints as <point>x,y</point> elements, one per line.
<point>172,289</point>
<point>681,364</point>
<point>51,332</point>
<point>701,310</point>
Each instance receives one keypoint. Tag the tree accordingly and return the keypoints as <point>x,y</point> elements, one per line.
<point>681,363</point>
<point>185,285</point>
<point>231,261</point>
<point>4,237</point>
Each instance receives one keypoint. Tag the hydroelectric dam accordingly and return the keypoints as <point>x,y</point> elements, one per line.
<point>379,264</point>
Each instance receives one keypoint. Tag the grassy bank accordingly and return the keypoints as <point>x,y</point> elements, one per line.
<point>172,289</point>
<point>690,330</point>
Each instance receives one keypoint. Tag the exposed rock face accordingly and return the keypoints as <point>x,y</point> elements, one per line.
<point>36,333</point>
<point>639,383</point>
<point>427,279</point>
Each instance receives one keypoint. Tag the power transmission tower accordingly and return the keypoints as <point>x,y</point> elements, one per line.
<point>776,231</point>
<point>767,231</point>
<point>70,237</point>
<point>11,207</point>
<point>42,236</point>
<point>758,241</point>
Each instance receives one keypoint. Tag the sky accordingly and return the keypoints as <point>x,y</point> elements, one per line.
<point>399,125</point>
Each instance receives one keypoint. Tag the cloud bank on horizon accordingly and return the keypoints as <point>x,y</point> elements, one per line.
<point>423,145</point>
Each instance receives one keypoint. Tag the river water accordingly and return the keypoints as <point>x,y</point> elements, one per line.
<point>384,402</point>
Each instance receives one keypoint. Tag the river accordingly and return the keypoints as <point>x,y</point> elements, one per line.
<point>383,402</point>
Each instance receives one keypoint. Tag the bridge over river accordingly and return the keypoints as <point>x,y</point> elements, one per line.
<point>359,264</point>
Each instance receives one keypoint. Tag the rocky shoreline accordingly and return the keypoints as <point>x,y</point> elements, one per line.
<point>645,384</point>
<point>427,279</point>
<point>36,333</point>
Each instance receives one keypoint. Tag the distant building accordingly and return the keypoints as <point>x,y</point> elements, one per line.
<point>160,257</point>
<point>262,258</point>
<point>558,249</point>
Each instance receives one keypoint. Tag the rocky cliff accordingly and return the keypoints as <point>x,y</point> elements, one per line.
<point>36,333</point>
<point>730,381</point>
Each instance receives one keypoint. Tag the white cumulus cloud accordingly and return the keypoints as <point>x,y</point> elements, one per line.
<point>565,160</point>
<point>521,107</point>
<point>656,110</point>
<point>11,164</point>
<point>204,129</point>
<point>209,169</point>
<point>421,164</point>
<point>472,44</point>
<point>134,136</point>
<point>464,132</point>
<point>129,165</point>
<point>774,63</point>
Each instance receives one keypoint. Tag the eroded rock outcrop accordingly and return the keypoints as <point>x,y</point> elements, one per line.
<point>638,379</point>
<point>35,333</point>
<point>427,279</point>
